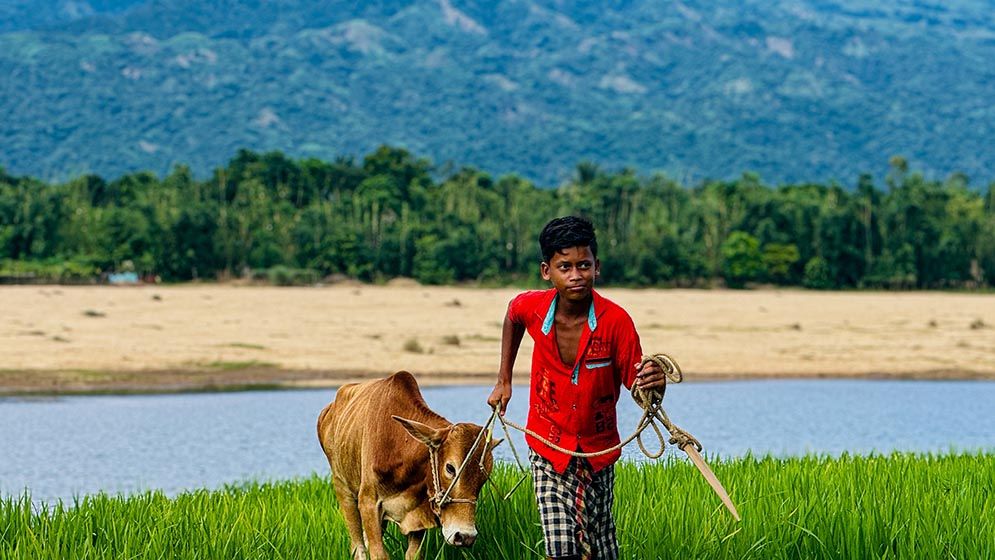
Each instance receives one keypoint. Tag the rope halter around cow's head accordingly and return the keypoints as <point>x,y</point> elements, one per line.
<point>433,440</point>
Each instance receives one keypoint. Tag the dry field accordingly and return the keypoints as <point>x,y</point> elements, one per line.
<point>78,339</point>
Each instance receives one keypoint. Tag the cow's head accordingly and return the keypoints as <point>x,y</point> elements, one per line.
<point>452,444</point>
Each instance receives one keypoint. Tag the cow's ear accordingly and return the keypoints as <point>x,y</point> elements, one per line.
<point>425,434</point>
<point>495,443</point>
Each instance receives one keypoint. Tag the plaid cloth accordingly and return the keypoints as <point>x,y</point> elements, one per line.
<point>576,509</point>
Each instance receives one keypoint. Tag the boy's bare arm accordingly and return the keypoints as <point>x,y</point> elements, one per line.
<point>511,340</point>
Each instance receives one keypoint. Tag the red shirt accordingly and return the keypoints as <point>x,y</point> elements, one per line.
<point>573,405</point>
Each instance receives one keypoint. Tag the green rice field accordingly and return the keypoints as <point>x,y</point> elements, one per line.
<point>896,506</point>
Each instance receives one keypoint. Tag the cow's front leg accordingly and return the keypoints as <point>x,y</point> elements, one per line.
<point>372,514</point>
<point>350,512</point>
<point>414,545</point>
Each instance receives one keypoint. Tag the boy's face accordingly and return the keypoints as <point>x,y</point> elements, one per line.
<point>572,272</point>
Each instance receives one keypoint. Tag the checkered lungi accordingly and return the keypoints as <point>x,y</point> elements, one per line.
<point>576,509</point>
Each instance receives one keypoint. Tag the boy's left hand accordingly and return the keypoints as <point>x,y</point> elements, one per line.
<point>650,376</point>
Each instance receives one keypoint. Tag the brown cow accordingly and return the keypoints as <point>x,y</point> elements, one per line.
<point>377,436</point>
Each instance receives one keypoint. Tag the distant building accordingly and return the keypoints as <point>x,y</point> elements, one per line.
<point>118,278</point>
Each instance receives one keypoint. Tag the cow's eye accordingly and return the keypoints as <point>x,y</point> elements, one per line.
<point>450,469</point>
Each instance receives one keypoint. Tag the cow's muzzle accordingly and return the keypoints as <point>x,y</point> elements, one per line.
<point>460,536</point>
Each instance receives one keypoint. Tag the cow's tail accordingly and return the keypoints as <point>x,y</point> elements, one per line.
<point>323,419</point>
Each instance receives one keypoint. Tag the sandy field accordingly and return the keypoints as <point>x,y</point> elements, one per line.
<point>81,339</point>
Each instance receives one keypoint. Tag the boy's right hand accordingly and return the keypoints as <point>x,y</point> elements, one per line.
<point>500,397</point>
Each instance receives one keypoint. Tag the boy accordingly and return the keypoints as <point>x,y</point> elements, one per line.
<point>586,347</point>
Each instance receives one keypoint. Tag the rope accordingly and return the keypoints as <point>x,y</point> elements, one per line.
<point>652,405</point>
<point>650,401</point>
<point>440,499</point>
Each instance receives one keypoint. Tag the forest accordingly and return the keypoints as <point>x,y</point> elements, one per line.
<point>269,217</point>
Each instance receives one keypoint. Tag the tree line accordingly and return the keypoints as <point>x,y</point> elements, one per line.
<point>393,214</point>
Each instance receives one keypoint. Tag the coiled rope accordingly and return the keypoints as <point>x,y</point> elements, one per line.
<point>650,401</point>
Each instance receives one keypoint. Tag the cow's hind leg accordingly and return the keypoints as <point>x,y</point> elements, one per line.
<point>414,545</point>
<point>369,510</point>
<point>354,524</point>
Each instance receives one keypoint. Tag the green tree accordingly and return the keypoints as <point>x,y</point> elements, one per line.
<point>818,275</point>
<point>779,261</point>
<point>742,261</point>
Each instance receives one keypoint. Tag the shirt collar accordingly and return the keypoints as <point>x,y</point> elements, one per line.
<point>592,314</point>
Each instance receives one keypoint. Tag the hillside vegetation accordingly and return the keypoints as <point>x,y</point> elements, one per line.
<point>808,90</point>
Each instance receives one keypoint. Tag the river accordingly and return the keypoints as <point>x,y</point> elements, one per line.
<point>61,447</point>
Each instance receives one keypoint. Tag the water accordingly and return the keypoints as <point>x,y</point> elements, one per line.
<point>62,447</point>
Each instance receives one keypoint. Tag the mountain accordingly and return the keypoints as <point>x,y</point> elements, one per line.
<point>805,90</point>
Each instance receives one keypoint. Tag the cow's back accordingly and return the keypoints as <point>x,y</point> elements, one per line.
<point>361,439</point>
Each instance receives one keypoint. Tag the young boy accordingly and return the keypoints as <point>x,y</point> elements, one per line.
<point>586,347</point>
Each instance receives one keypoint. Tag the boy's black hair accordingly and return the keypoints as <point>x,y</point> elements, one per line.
<point>563,233</point>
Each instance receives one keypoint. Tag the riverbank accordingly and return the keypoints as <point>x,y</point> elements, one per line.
<point>254,377</point>
<point>901,506</point>
<point>71,340</point>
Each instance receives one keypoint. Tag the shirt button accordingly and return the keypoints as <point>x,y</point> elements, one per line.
<point>573,407</point>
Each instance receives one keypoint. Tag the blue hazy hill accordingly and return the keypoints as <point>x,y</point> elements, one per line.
<point>803,90</point>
